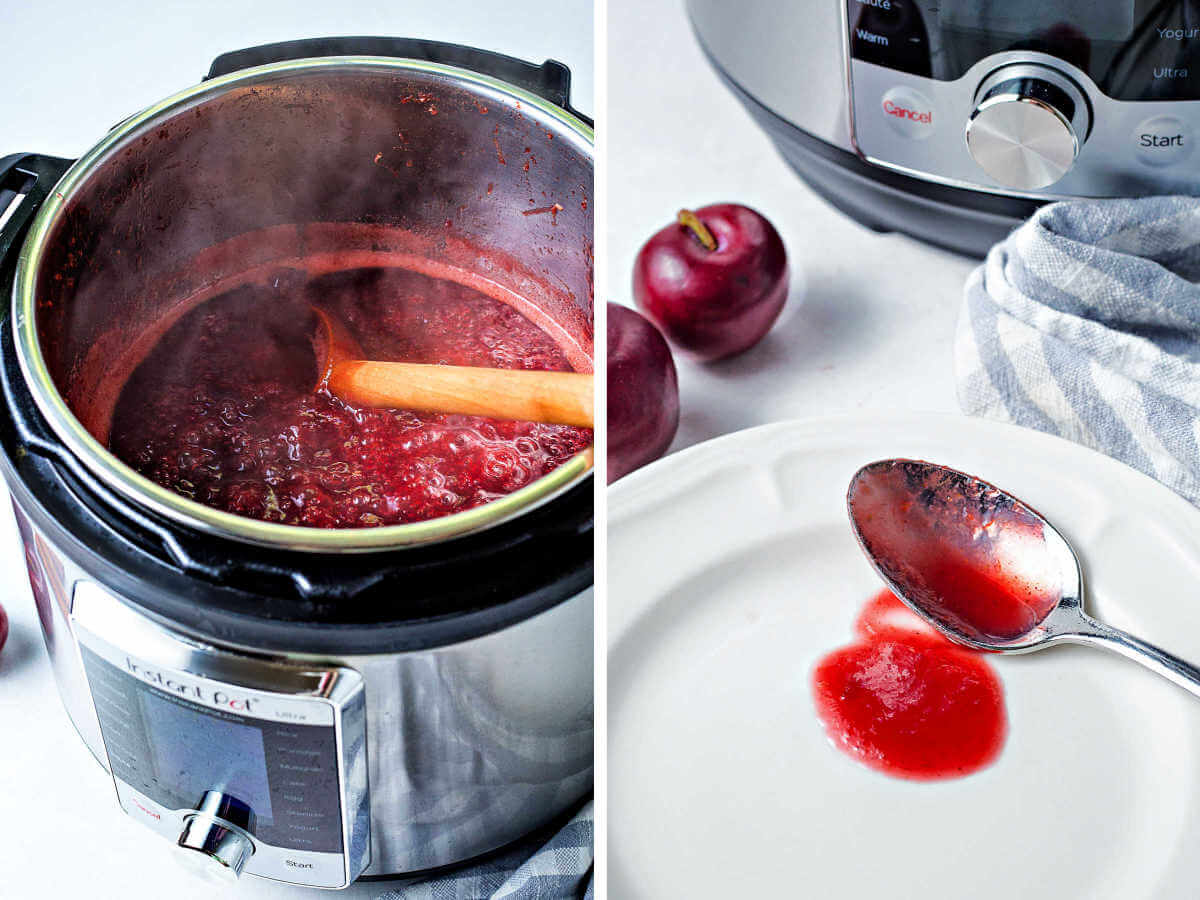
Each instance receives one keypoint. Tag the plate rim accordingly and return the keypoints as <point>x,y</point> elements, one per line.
<point>650,486</point>
<point>661,479</point>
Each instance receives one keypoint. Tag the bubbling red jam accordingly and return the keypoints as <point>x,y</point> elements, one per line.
<point>223,410</point>
<point>905,701</point>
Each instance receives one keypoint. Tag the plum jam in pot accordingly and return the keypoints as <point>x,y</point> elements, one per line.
<point>223,409</point>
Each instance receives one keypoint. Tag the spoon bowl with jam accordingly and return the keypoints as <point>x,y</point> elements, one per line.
<point>982,567</point>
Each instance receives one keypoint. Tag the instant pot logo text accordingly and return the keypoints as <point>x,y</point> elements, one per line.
<point>904,112</point>
<point>189,690</point>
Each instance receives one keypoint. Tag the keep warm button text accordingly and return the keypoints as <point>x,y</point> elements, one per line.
<point>1162,141</point>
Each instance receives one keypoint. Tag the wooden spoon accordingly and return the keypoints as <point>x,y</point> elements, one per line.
<point>560,398</point>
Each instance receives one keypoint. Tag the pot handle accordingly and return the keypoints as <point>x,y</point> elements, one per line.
<point>550,81</point>
<point>26,180</point>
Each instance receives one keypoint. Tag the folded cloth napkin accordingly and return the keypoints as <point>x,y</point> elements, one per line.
<point>1085,322</point>
<point>541,867</point>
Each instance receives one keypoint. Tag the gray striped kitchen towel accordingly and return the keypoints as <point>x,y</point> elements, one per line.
<point>1085,322</point>
<point>557,866</point>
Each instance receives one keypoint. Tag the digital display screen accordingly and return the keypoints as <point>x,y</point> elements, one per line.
<point>1131,49</point>
<point>195,752</point>
<point>1100,21</point>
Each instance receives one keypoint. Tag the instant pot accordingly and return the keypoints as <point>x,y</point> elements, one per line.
<point>953,122</point>
<point>305,705</point>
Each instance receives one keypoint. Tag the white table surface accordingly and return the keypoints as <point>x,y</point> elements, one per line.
<point>74,70</point>
<point>870,320</point>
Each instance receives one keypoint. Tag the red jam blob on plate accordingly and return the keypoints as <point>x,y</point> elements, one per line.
<point>905,701</point>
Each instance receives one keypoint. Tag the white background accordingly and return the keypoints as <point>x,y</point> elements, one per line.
<point>870,320</point>
<point>72,71</point>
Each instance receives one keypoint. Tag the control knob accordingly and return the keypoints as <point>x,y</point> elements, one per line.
<point>216,836</point>
<point>1028,125</point>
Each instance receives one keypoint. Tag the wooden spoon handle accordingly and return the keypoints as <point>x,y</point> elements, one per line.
<point>561,398</point>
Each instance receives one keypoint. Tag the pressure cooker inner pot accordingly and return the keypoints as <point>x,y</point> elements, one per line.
<point>439,218</point>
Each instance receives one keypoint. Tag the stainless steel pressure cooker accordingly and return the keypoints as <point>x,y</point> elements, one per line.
<point>953,122</point>
<point>305,705</point>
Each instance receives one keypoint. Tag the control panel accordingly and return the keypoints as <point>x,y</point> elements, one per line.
<point>1041,99</point>
<point>248,765</point>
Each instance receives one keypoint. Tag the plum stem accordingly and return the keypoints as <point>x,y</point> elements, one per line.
<point>689,219</point>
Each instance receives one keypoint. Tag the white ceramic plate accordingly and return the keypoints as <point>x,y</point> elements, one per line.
<point>732,570</point>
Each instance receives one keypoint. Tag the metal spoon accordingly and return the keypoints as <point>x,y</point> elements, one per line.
<point>915,519</point>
